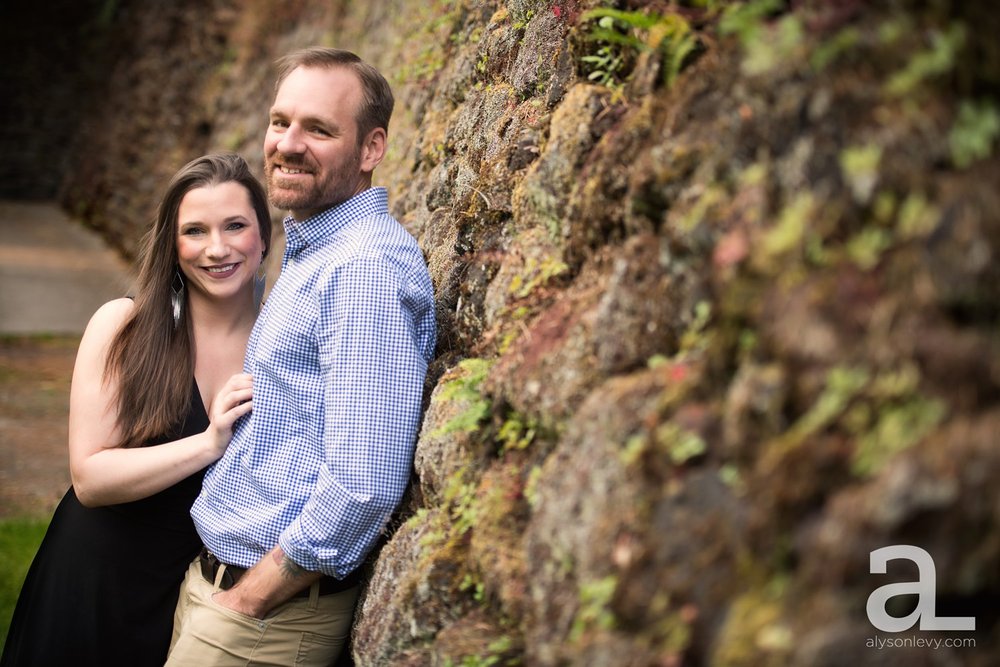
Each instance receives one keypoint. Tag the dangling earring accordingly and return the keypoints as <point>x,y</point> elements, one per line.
<point>260,282</point>
<point>177,296</point>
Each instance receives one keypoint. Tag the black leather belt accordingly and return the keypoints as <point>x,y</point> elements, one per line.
<point>210,567</point>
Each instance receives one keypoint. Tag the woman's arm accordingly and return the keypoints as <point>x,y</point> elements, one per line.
<point>104,473</point>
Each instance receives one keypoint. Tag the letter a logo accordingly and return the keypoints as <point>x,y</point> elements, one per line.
<point>925,588</point>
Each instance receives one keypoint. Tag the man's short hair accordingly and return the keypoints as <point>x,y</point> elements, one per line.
<point>377,103</point>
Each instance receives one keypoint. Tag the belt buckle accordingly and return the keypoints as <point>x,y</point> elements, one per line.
<point>208,566</point>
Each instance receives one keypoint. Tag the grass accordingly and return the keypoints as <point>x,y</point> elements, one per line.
<point>19,540</point>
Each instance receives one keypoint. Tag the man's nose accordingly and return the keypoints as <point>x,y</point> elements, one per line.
<point>290,142</point>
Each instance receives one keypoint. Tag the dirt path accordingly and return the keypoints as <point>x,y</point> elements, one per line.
<point>34,396</point>
<point>53,275</point>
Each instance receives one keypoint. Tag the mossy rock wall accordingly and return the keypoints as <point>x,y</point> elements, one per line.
<point>715,322</point>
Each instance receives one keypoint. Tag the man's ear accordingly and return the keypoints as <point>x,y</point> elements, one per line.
<point>373,149</point>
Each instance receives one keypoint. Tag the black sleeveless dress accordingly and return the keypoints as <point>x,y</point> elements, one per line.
<point>104,583</point>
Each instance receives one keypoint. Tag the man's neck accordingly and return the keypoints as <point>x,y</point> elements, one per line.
<point>302,215</point>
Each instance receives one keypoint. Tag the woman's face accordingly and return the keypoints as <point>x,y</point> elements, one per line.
<point>218,240</point>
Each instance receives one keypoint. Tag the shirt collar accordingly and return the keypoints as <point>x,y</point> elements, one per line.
<point>327,224</point>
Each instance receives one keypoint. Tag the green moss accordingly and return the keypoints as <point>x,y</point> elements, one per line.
<point>859,166</point>
<point>766,43</point>
<point>768,49</point>
<point>507,340</point>
<point>974,133</point>
<point>884,413</point>
<point>916,218</point>
<point>755,632</point>
<point>473,583</point>
<point>679,444</point>
<point>747,342</point>
<point>894,384</point>
<point>815,251</point>
<point>498,654</point>
<point>427,62</point>
<point>671,633</point>
<point>531,492</point>
<point>745,18</point>
<point>537,273</point>
<point>843,384</point>
<point>729,474</point>
<point>866,247</point>
<point>697,338</point>
<point>831,49</point>
<point>443,550</point>
<point>632,452</point>
<point>884,208</point>
<point>938,59</point>
<point>713,195</point>
<point>657,361</point>
<point>894,29</point>
<point>787,235</point>
<point>460,498</point>
<point>463,388</point>
<point>517,431</point>
<point>431,33</point>
<point>521,21</point>
<point>594,611</point>
<point>899,426</point>
<point>667,439</point>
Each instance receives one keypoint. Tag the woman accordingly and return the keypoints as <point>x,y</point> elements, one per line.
<point>156,390</point>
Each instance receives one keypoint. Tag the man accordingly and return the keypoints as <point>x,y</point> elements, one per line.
<point>338,355</point>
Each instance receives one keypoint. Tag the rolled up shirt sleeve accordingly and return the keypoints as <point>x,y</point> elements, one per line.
<point>372,351</point>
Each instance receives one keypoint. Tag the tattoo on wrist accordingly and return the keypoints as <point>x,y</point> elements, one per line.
<point>289,568</point>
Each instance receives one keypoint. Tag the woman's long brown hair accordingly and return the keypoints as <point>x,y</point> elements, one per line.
<point>150,357</point>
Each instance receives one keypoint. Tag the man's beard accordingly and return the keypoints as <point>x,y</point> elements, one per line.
<point>336,187</point>
<point>293,196</point>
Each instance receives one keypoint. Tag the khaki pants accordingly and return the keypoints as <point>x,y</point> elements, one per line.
<point>303,631</point>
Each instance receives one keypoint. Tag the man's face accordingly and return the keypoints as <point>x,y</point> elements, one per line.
<point>312,160</point>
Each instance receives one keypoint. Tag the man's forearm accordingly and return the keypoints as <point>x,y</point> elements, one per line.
<point>273,580</point>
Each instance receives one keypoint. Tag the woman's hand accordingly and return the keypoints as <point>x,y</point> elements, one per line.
<point>234,400</point>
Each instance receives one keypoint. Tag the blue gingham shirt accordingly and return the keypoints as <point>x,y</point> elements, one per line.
<point>338,356</point>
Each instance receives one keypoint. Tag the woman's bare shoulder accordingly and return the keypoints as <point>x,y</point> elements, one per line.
<point>109,318</point>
